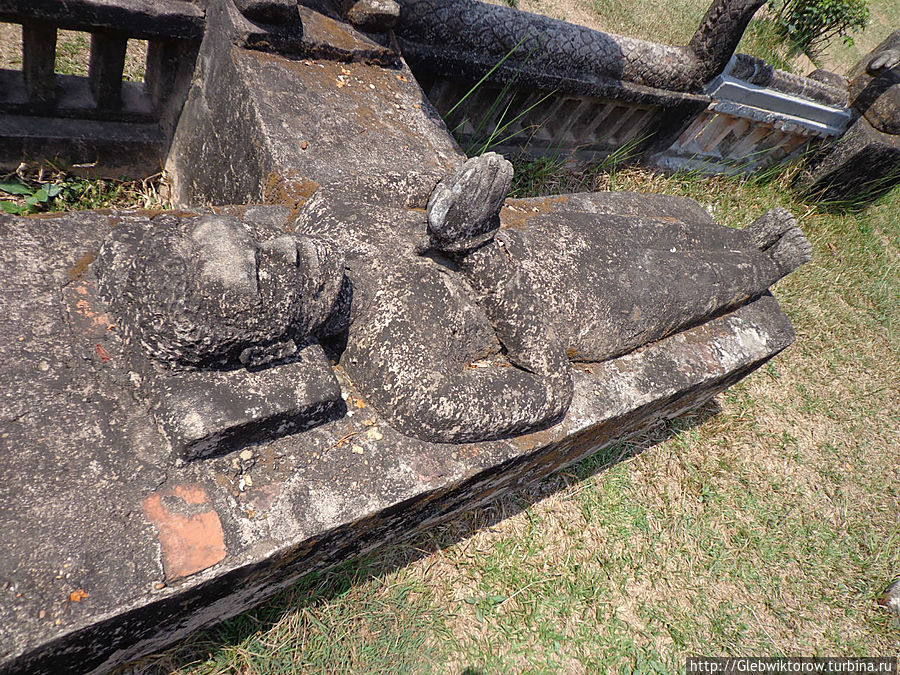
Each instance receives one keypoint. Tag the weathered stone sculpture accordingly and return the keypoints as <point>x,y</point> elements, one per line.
<point>383,337</point>
<point>418,322</point>
<point>472,37</point>
<point>199,301</point>
<point>865,162</point>
<point>458,326</point>
<point>200,293</point>
<point>875,86</point>
<point>463,334</point>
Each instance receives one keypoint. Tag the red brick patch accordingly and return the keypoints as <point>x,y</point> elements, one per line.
<point>190,532</point>
<point>80,298</point>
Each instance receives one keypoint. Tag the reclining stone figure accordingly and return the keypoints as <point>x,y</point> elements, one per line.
<point>458,324</point>
<point>593,277</point>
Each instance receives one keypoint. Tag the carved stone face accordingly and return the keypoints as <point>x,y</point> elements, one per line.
<point>203,293</point>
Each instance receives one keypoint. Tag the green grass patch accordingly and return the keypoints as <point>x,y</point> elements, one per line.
<point>354,618</point>
<point>38,192</point>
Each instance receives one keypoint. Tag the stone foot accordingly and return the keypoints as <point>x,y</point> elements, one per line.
<point>776,232</point>
<point>464,209</point>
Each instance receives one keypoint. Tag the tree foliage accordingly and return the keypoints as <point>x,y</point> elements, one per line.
<point>809,25</point>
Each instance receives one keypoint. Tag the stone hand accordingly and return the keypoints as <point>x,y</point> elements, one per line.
<point>463,211</point>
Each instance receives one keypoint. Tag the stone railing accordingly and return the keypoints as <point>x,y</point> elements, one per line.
<point>571,90</point>
<point>539,122</point>
<point>522,82</point>
<point>99,118</point>
<point>757,116</point>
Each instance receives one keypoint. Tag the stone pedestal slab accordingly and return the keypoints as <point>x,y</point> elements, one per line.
<point>111,548</point>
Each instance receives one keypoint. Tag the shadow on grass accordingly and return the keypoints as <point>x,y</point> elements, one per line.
<point>245,632</point>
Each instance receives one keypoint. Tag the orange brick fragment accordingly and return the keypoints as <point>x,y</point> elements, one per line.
<point>190,532</point>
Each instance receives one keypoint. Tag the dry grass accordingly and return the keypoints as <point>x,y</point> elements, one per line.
<point>72,52</point>
<point>672,23</point>
<point>885,18</point>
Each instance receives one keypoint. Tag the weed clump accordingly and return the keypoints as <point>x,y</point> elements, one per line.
<point>25,193</point>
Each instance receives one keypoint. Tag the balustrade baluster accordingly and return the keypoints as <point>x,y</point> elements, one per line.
<point>106,67</point>
<point>163,59</point>
<point>38,60</point>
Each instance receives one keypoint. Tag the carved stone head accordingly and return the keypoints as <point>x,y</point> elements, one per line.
<point>203,293</point>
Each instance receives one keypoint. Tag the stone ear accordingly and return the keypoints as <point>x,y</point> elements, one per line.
<point>321,274</point>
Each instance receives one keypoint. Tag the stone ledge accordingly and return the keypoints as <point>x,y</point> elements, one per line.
<point>109,550</point>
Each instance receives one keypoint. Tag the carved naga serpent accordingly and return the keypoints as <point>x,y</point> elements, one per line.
<point>467,38</point>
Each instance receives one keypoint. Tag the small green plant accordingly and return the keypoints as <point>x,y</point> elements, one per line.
<point>24,195</point>
<point>31,199</point>
<point>494,129</point>
<point>809,25</point>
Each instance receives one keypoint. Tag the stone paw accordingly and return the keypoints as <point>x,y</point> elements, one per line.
<point>791,251</point>
<point>776,232</point>
<point>464,209</point>
<point>886,60</point>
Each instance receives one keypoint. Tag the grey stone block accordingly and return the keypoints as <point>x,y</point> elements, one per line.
<point>261,127</point>
<point>208,412</point>
<point>95,507</point>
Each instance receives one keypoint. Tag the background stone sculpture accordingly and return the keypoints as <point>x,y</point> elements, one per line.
<point>865,162</point>
<point>473,35</point>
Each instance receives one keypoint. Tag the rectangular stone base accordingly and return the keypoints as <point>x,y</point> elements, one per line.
<point>211,412</point>
<point>109,549</point>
